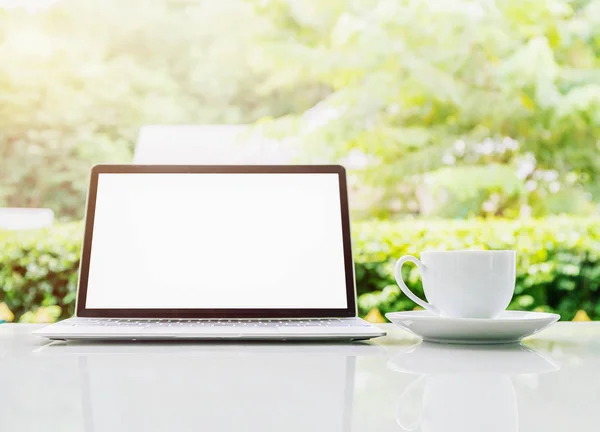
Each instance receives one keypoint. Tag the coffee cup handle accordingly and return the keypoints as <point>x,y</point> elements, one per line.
<point>405,289</point>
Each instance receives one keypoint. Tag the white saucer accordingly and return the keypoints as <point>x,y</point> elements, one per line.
<point>508,327</point>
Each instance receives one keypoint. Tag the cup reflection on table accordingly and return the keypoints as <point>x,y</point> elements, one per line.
<point>464,387</point>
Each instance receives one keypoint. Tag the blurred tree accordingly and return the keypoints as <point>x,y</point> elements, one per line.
<point>407,93</point>
<point>424,85</point>
<point>79,77</point>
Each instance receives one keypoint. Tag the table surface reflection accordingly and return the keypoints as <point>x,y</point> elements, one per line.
<point>395,383</point>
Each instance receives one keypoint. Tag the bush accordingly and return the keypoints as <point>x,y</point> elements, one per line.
<point>38,272</point>
<point>558,266</point>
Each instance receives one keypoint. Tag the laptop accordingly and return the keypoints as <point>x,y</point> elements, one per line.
<point>216,252</point>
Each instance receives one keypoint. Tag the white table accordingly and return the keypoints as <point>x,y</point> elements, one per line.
<point>551,384</point>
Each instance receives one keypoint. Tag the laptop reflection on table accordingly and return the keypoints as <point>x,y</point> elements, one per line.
<point>216,387</point>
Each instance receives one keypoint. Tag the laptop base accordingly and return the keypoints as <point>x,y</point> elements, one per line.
<point>99,329</point>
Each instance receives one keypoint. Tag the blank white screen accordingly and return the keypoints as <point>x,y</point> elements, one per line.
<point>217,241</point>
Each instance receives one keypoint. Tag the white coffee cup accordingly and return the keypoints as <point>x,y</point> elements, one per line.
<point>463,284</point>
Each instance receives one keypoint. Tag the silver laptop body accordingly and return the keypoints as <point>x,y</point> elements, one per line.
<point>216,252</point>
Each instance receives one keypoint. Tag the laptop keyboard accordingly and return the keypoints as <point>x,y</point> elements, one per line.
<point>112,322</point>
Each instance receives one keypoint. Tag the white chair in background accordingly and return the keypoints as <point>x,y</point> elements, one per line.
<point>208,145</point>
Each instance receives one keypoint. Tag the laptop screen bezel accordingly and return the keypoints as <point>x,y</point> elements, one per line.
<point>83,311</point>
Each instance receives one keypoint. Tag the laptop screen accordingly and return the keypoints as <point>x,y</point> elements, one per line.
<point>217,241</point>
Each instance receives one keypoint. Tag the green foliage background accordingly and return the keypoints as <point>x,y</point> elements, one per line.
<point>558,266</point>
<point>417,97</point>
<point>423,89</point>
<point>79,78</point>
<point>470,111</point>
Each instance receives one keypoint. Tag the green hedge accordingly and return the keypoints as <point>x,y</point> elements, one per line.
<point>558,268</point>
<point>38,272</point>
<point>558,265</point>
